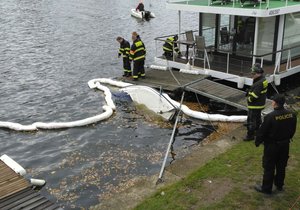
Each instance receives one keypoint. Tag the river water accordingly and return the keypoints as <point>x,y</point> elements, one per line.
<point>49,50</point>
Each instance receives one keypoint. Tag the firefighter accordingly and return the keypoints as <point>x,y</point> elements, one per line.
<point>137,55</point>
<point>276,132</point>
<point>140,7</point>
<point>170,45</point>
<point>124,50</point>
<point>256,99</point>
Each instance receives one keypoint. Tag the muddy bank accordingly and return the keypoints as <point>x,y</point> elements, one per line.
<point>218,142</point>
<point>140,188</point>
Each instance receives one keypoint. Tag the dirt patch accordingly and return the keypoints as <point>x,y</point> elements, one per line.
<point>215,190</point>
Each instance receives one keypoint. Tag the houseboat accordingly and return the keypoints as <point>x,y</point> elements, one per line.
<point>233,35</point>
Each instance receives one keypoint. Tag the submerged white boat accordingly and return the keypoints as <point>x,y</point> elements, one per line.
<point>142,14</point>
<point>163,105</point>
<point>152,99</point>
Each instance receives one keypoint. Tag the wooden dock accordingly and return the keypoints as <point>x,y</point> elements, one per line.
<point>165,80</point>
<point>170,81</point>
<point>16,192</point>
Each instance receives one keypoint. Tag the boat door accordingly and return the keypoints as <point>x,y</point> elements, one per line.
<point>244,28</point>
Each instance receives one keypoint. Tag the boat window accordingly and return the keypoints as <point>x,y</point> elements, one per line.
<point>291,34</point>
<point>208,30</point>
<point>224,33</point>
<point>245,28</point>
<point>265,38</point>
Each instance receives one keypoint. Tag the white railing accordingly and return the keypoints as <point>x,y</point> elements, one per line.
<point>282,57</point>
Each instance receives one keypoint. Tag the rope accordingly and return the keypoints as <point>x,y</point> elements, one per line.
<point>298,199</point>
<point>170,70</point>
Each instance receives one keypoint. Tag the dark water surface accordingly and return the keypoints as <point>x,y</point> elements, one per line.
<point>49,50</point>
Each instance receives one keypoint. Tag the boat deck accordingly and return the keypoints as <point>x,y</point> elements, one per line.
<point>273,4</point>
<point>198,84</point>
<point>16,192</point>
<point>237,66</point>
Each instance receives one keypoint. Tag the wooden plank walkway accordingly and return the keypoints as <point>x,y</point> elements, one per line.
<point>10,181</point>
<point>224,94</point>
<point>16,192</point>
<point>197,84</point>
<point>164,79</point>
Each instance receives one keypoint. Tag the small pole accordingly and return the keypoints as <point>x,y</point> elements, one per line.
<point>170,143</point>
<point>155,47</point>
<point>227,62</point>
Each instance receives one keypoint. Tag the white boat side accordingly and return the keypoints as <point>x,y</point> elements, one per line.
<point>262,10</point>
<point>265,32</point>
<point>139,14</point>
<point>152,99</point>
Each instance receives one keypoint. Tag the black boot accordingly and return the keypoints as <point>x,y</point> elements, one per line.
<point>248,138</point>
<point>258,188</point>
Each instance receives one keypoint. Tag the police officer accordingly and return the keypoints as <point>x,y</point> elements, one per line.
<point>276,132</point>
<point>170,45</point>
<point>256,99</point>
<point>137,55</point>
<point>124,51</point>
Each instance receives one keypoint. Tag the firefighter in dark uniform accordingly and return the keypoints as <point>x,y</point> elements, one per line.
<point>124,50</point>
<point>137,55</point>
<point>256,99</point>
<point>169,46</point>
<point>276,132</point>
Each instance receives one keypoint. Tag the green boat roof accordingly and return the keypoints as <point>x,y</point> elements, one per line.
<point>266,8</point>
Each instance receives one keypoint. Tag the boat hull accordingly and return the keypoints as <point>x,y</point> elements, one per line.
<point>152,99</point>
<point>140,15</point>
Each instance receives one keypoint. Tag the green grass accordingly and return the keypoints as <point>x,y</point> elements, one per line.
<point>226,183</point>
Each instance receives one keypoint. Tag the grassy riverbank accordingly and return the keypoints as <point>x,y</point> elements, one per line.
<point>227,182</point>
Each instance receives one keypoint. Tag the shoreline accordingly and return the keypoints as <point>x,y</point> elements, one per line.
<point>212,146</point>
<point>209,148</point>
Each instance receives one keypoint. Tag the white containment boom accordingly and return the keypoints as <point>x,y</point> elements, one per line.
<point>13,165</point>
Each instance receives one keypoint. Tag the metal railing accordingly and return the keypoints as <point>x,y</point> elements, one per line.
<point>279,58</point>
<point>262,4</point>
<point>159,41</point>
<point>241,66</point>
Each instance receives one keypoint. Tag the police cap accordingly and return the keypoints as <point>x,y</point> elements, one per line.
<point>279,99</point>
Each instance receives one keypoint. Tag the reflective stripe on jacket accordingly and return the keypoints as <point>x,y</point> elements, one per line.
<point>168,45</point>
<point>138,50</point>
<point>124,48</point>
<point>257,94</point>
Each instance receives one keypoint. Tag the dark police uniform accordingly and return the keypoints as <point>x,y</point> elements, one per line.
<point>256,99</point>
<point>168,47</point>
<point>138,54</point>
<point>276,132</point>
<point>124,50</point>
